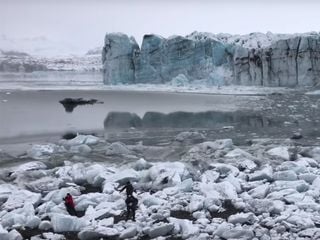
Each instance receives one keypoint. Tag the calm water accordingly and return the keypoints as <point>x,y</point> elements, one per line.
<point>137,115</point>
<point>39,112</point>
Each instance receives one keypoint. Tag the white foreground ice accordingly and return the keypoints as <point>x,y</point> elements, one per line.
<point>239,194</point>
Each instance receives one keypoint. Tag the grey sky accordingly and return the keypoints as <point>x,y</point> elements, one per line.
<point>84,23</point>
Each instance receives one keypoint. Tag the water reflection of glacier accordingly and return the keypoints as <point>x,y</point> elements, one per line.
<point>209,119</point>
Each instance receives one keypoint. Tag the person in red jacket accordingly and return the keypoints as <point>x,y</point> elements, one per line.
<point>68,202</point>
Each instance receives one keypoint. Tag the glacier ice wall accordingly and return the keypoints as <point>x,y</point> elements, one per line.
<point>255,59</point>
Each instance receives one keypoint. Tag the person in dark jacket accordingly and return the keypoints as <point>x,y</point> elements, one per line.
<point>132,204</point>
<point>129,189</point>
<point>68,202</point>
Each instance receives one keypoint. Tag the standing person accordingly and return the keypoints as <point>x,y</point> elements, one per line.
<point>132,204</point>
<point>129,189</point>
<point>68,202</point>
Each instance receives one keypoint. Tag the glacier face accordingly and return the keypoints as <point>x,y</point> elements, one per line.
<point>255,59</point>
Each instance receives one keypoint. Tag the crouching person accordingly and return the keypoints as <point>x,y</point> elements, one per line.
<point>132,205</point>
<point>68,202</point>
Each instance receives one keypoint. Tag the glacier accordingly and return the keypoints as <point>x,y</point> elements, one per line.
<point>256,59</point>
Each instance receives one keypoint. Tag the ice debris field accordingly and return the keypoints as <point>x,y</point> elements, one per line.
<point>216,191</point>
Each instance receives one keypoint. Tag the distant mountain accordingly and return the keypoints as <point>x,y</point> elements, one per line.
<point>15,61</point>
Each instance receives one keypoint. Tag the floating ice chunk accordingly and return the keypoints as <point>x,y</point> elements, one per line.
<point>227,231</point>
<point>44,151</point>
<point>189,137</point>
<point>160,229</point>
<point>288,175</point>
<point>311,233</point>
<point>212,204</point>
<point>260,191</point>
<point>82,139</point>
<point>299,185</point>
<point>124,176</point>
<point>315,153</point>
<point>186,185</point>
<point>12,235</point>
<point>44,185</point>
<point>90,232</point>
<point>93,199</point>
<point>196,203</point>
<point>66,223</point>
<point>265,173</point>
<point>19,198</point>
<point>222,190</point>
<point>210,176</point>
<point>130,232</point>
<point>106,222</point>
<point>236,182</point>
<point>57,196</point>
<point>6,190</point>
<point>45,225</point>
<point>216,145</point>
<point>302,221</point>
<point>150,200</point>
<point>297,167</point>
<point>238,153</point>
<point>247,164</point>
<point>187,228</point>
<point>242,218</point>
<point>279,152</point>
<point>82,148</point>
<point>52,236</point>
<point>281,194</point>
<point>21,217</point>
<point>259,206</point>
<point>30,166</point>
<point>141,164</point>
<point>225,169</point>
<point>118,148</point>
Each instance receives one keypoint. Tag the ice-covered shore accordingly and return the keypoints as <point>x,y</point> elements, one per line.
<point>216,191</point>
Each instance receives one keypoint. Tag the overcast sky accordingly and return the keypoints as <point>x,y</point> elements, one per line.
<point>85,22</point>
